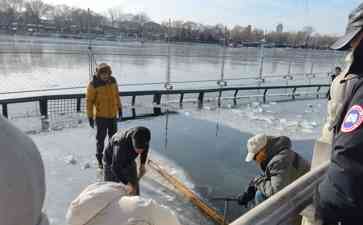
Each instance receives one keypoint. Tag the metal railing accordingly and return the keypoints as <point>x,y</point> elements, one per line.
<point>69,103</point>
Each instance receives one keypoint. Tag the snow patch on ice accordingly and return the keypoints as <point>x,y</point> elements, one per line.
<point>294,119</point>
<point>70,160</point>
<point>86,166</point>
<point>187,113</point>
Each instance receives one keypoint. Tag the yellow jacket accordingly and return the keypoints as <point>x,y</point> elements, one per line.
<point>102,98</point>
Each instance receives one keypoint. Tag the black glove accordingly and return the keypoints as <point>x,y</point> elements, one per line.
<point>91,122</point>
<point>119,114</point>
<point>247,196</point>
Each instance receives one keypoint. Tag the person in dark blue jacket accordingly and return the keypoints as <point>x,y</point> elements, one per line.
<point>340,195</point>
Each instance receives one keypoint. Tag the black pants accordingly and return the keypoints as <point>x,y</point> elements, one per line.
<point>129,172</point>
<point>104,126</point>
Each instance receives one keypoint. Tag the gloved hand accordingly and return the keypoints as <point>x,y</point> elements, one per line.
<point>91,122</point>
<point>120,114</point>
<point>248,195</point>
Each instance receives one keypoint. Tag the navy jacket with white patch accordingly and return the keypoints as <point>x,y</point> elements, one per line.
<point>343,185</point>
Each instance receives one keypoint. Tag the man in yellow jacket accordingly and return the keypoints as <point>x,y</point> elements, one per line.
<point>103,106</point>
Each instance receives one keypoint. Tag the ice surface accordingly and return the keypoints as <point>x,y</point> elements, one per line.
<point>207,164</point>
<point>70,160</point>
<point>299,120</point>
<point>67,154</point>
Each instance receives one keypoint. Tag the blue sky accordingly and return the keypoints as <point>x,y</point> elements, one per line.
<point>325,16</point>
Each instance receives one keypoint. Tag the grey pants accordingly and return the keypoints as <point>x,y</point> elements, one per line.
<point>130,173</point>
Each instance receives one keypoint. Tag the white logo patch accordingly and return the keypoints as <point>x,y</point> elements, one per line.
<point>353,119</point>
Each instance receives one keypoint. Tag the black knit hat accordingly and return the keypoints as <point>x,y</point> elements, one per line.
<point>141,137</point>
<point>354,27</point>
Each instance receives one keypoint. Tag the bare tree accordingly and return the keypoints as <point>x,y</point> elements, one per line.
<point>79,18</point>
<point>35,9</point>
<point>15,5</point>
<point>141,18</point>
<point>114,15</point>
<point>10,10</point>
<point>236,33</point>
<point>62,16</point>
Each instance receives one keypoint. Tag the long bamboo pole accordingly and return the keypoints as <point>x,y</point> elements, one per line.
<point>208,211</point>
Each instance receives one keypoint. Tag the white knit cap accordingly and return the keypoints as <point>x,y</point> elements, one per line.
<point>254,145</point>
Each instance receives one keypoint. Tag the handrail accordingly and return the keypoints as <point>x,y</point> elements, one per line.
<point>157,94</point>
<point>298,75</point>
<point>286,203</point>
<point>163,92</point>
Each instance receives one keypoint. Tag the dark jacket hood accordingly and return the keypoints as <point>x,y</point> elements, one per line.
<point>274,146</point>
<point>97,81</point>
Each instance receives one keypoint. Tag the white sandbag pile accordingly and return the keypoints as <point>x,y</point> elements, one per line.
<point>106,203</point>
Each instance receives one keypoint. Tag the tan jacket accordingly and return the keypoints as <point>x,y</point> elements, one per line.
<point>337,90</point>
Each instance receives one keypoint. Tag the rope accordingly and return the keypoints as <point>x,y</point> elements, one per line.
<point>101,211</point>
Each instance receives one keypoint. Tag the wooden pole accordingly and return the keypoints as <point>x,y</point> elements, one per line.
<point>211,213</point>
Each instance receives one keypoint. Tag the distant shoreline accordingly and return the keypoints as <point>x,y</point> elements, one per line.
<point>53,38</point>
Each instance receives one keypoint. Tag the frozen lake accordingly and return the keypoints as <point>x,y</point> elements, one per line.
<point>204,148</point>
<point>42,63</point>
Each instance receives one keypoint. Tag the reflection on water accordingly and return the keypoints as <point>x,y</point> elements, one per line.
<point>215,163</point>
<point>67,65</point>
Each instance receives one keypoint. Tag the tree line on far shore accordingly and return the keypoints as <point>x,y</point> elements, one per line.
<point>37,17</point>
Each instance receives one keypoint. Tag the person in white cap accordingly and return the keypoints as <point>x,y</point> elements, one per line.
<point>106,203</point>
<point>22,179</point>
<point>280,166</point>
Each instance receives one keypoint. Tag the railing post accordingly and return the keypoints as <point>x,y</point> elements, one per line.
<point>200,99</point>
<point>264,95</point>
<point>43,106</point>
<point>318,90</point>
<point>235,97</point>
<point>293,93</point>
<point>219,98</point>
<point>5,110</point>
<point>181,100</point>
<point>262,57</point>
<point>225,214</point>
<point>78,105</point>
<point>133,100</point>
<point>156,102</point>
